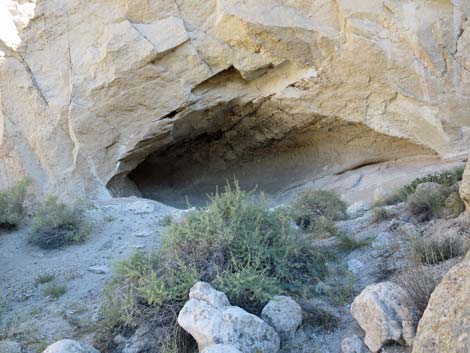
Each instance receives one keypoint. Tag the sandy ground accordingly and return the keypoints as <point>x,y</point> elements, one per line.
<point>120,227</point>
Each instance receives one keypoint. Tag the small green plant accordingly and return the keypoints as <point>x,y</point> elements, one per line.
<point>12,204</point>
<point>381,214</point>
<point>315,210</point>
<point>54,290</point>
<point>432,251</point>
<point>56,224</point>
<point>45,278</point>
<point>236,243</point>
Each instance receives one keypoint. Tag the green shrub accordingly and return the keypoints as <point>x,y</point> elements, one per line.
<point>56,224</point>
<point>446,178</point>
<point>315,210</point>
<point>12,208</point>
<point>54,290</point>
<point>237,244</point>
<point>432,251</point>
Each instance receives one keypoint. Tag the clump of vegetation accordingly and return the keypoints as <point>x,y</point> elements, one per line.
<point>45,278</point>
<point>340,286</point>
<point>418,283</point>
<point>446,178</point>
<point>56,224</point>
<point>432,251</point>
<point>427,203</point>
<point>12,204</point>
<point>316,210</point>
<point>381,214</point>
<point>348,243</point>
<point>237,244</point>
<point>54,290</point>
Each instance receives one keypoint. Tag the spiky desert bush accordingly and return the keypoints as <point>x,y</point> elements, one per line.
<point>432,251</point>
<point>418,283</point>
<point>237,244</point>
<point>427,203</point>
<point>381,214</point>
<point>56,224</point>
<point>12,204</point>
<point>316,210</point>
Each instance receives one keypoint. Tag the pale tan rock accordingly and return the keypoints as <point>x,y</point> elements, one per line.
<point>211,320</point>
<point>381,312</point>
<point>444,325</point>
<point>90,90</point>
<point>464,189</point>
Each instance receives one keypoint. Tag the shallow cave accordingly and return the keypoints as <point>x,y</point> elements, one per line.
<point>262,155</point>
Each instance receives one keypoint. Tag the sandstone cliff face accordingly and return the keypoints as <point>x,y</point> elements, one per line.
<point>100,96</point>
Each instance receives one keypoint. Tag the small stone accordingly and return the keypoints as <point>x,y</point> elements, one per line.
<point>99,269</point>
<point>119,339</point>
<point>355,266</point>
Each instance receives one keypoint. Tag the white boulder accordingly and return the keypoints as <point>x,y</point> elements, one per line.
<point>211,320</point>
<point>69,346</point>
<point>284,314</point>
<point>381,313</point>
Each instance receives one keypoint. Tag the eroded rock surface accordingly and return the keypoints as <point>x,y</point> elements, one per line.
<point>284,315</point>
<point>92,91</point>
<point>381,312</point>
<point>444,325</point>
<point>211,320</point>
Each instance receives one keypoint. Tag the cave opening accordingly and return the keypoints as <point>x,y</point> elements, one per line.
<point>262,154</point>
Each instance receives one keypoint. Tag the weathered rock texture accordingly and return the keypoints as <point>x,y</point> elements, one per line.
<point>444,325</point>
<point>69,346</point>
<point>274,91</point>
<point>381,312</point>
<point>211,320</point>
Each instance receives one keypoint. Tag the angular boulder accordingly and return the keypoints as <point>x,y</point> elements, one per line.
<point>446,321</point>
<point>284,315</point>
<point>382,314</point>
<point>70,346</point>
<point>211,320</point>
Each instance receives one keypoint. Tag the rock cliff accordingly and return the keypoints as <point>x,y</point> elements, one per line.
<point>126,97</point>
